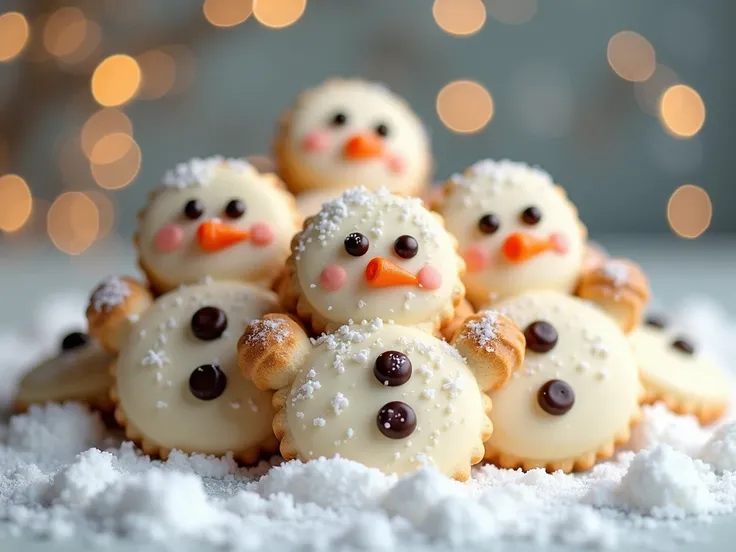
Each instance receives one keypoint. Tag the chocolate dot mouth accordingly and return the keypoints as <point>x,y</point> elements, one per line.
<point>207,382</point>
<point>396,420</point>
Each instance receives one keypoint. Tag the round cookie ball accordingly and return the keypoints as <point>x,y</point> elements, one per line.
<point>346,133</point>
<point>177,382</point>
<point>575,397</point>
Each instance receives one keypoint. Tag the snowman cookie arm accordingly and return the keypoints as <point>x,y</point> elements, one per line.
<point>493,346</point>
<point>113,309</point>
<point>619,287</point>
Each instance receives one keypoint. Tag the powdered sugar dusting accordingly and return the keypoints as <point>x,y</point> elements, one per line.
<point>493,175</point>
<point>267,331</point>
<point>483,331</point>
<point>198,172</point>
<point>109,294</point>
<point>617,271</point>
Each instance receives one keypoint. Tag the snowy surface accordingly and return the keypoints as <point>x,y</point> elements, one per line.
<point>63,476</point>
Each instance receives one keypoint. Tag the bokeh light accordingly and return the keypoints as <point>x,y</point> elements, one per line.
<point>104,122</point>
<point>116,80</point>
<point>115,161</point>
<point>73,222</point>
<point>227,13</point>
<point>13,35</point>
<point>512,12</point>
<point>681,111</point>
<point>278,14</point>
<point>649,92</point>
<point>631,56</point>
<point>159,74</point>
<point>106,209</point>
<point>689,211</point>
<point>459,17</point>
<point>16,202</point>
<point>464,106</point>
<point>65,32</point>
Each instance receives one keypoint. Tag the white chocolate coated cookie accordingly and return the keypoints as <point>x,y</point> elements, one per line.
<point>347,133</point>
<point>575,396</point>
<point>80,372</point>
<point>516,229</point>
<point>373,255</point>
<point>218,218</point>
<point>166,401</point>
<point>675,373</point>
<point>341,402</point>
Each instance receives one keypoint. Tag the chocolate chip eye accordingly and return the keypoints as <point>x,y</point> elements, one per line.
<point>531,215</point>
<point>235,209</point>
<point>488,223</point>
<point>338,119</point>
<point>209,323</point>
<point>356,244</point>
<point>74,340</point>
<point>396,420</point>
<point>684,345</point>
<point>556,397</point>
<point>193,209</point>
<point>656,322</point>
<point>382,130</point>
<point>406,247</point>
<point>207,382</point>
<point>540,336</point>
<point>392,368</point>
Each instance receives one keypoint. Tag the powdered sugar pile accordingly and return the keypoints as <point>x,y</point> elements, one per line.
<point>62,475</point>
<point>198,172</point>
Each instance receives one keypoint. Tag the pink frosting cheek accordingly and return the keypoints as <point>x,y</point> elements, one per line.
<point>261,234</point>
<point>333,278</point>
<point>477,258</point>
<point>316,142</point>
<point>429,278</point>
<point>168,238</point>
<point>396,164</point>
<point>560,243</point>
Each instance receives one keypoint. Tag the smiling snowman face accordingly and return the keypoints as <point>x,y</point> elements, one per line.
<point>517,230</point>
<point>347,133</point>
<point>218,218</point>
<point>371,255</point>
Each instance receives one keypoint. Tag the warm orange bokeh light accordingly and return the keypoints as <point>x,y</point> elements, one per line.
<point>631,56</point>
<point>278,14</point>
<point>116,80</point>
<point>512,12</point>
<point>464,106</point>
<point>681,111</point>
<point>65,32</point>
<point>16,202</point>
<point>459,17</point>
<point>227,13</point>
<point>104,122</point>
<point>159,74</point>
<point>689,211</point>
<point>13,35</point>
<point>73,222</point>
<point>115,161</point>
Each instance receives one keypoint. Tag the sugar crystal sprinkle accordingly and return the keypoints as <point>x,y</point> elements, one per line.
<point>198,172</point>
<point>110,293</point>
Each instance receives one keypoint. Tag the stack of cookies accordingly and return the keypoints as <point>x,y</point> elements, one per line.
<point>480,325</point>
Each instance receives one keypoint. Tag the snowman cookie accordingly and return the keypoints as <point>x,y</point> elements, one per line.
<point>373,254</point>
<point>213,218</point>
<point>577,394</point>
<point>177,382</point>
<point>79,372</point>
<point>347,133</point>
<point>388,396</point>
<point>673,372</point>
<point>518,232</point>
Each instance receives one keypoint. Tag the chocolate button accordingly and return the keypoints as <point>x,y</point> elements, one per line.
<point>235,209</point>
<point>655,321</point>
<point>489,223</point>
<point>556,397</point>
<point>356,244</point>
<point>531,215</point>
<point>406,247</point>
<point>540,336</point>
<point>74,340</point>
<point>193,209</point>
<point>207,382</point>
<point>684,346</point>
<point>209,323</point>
<point>396,420</point>
<point>392,368</point>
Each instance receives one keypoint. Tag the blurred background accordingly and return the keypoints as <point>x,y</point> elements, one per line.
<point>629,105</point>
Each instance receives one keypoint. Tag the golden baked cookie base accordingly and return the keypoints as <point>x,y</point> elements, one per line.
<point>572,464</point>
<point>705,412</point>
<point>248,456</point>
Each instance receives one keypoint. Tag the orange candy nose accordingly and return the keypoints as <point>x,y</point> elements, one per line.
<point>381,272</point>
<point>363,146</point>
<point>214,235</point>
<point>520,247</point>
